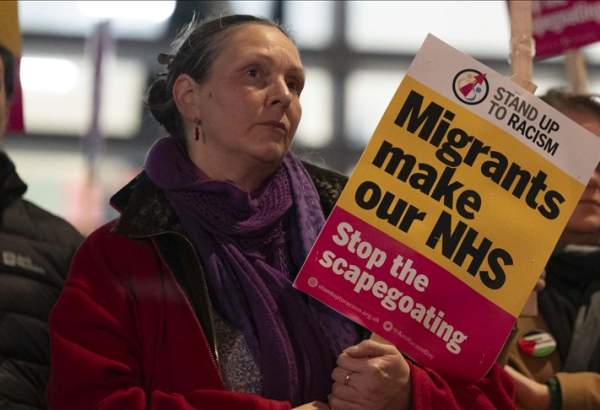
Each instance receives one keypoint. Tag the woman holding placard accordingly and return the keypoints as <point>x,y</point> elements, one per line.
<point>186,301</point>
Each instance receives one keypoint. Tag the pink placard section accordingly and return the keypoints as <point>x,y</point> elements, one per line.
<point>562,25</point>
<point>395,292</point>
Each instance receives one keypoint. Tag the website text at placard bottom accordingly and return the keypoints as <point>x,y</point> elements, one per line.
<point>368,316</point>
<point>392,299</point>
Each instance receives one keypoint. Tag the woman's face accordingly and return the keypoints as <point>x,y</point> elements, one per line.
<point>586,217</point>
<point>249,107</point>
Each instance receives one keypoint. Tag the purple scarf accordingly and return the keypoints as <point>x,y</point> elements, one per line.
<point>252,246</point>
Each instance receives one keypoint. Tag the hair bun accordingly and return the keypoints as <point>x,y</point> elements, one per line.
<point>161,104</point>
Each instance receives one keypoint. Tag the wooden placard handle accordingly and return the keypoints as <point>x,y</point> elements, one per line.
<point>576,71</point>
<point>521,44</point>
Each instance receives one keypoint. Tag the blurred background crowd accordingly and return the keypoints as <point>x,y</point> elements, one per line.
<point>355,54</point>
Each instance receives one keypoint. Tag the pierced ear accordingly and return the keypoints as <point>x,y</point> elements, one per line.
<point>184,96</point>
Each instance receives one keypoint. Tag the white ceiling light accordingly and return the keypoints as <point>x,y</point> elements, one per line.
<point>49,75</point>
<point>57,95</point>
<point>148,11</point>
<point>129,19</point>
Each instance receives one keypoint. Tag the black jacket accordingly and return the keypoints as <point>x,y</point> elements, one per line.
<point>35,250</point>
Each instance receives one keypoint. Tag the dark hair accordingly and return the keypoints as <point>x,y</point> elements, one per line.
<point>194,50</point>
<point>9,70</point>
<point>562,100</point>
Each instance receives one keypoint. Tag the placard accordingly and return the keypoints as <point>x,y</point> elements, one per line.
<point>451,213</point>
<point>560,25</point>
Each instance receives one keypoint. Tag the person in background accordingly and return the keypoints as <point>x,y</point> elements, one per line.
<point>186,300</point>
<point>35,250</point>
<point>555,358</point>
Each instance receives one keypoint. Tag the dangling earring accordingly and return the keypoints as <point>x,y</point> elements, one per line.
<point>197,129</point>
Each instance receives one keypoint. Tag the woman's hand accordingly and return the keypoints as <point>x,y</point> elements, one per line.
<point>315,405</point>
<point>370,376</point>
<point>531,395</point>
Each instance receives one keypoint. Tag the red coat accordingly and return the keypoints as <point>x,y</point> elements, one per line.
<point>125,336</point>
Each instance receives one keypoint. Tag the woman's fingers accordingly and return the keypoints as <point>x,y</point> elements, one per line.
<point>352,364</point>
<point>337,403</point>
<point>372,376</point>
<point>345,392</point>
<point>370,348</point>
<point>341,375</point>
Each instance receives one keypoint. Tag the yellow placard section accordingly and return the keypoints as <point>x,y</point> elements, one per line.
<point>463,193</point>
<point>10,35</point>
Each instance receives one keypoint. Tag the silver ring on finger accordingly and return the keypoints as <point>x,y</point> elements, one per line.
<point>347,379</point>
